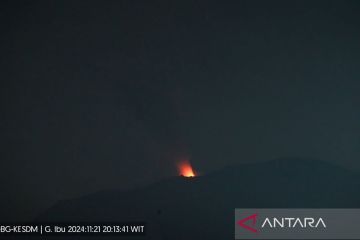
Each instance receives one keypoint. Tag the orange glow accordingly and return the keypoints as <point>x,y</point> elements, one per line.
<point>185,169</point>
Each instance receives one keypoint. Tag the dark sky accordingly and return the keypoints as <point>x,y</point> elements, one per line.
<point>111,94</point>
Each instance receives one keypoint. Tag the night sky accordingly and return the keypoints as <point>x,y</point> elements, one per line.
<point>112,94</point>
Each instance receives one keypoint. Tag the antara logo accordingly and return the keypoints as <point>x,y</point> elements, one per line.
<point>249,223</point>
<point>291,222</point>
<point>243,221</point>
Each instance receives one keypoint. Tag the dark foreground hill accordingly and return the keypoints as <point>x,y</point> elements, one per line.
<point>203,207</point>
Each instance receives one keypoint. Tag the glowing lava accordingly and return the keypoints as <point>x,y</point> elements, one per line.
<point>185,169</point>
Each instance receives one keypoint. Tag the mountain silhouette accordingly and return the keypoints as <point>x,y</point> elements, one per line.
<point>203,207</point>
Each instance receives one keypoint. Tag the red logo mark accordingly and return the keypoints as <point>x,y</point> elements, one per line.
<point>243,225</point>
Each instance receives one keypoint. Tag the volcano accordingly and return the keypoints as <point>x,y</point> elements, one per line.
<point>185,169</point>
<point>203,207</point>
